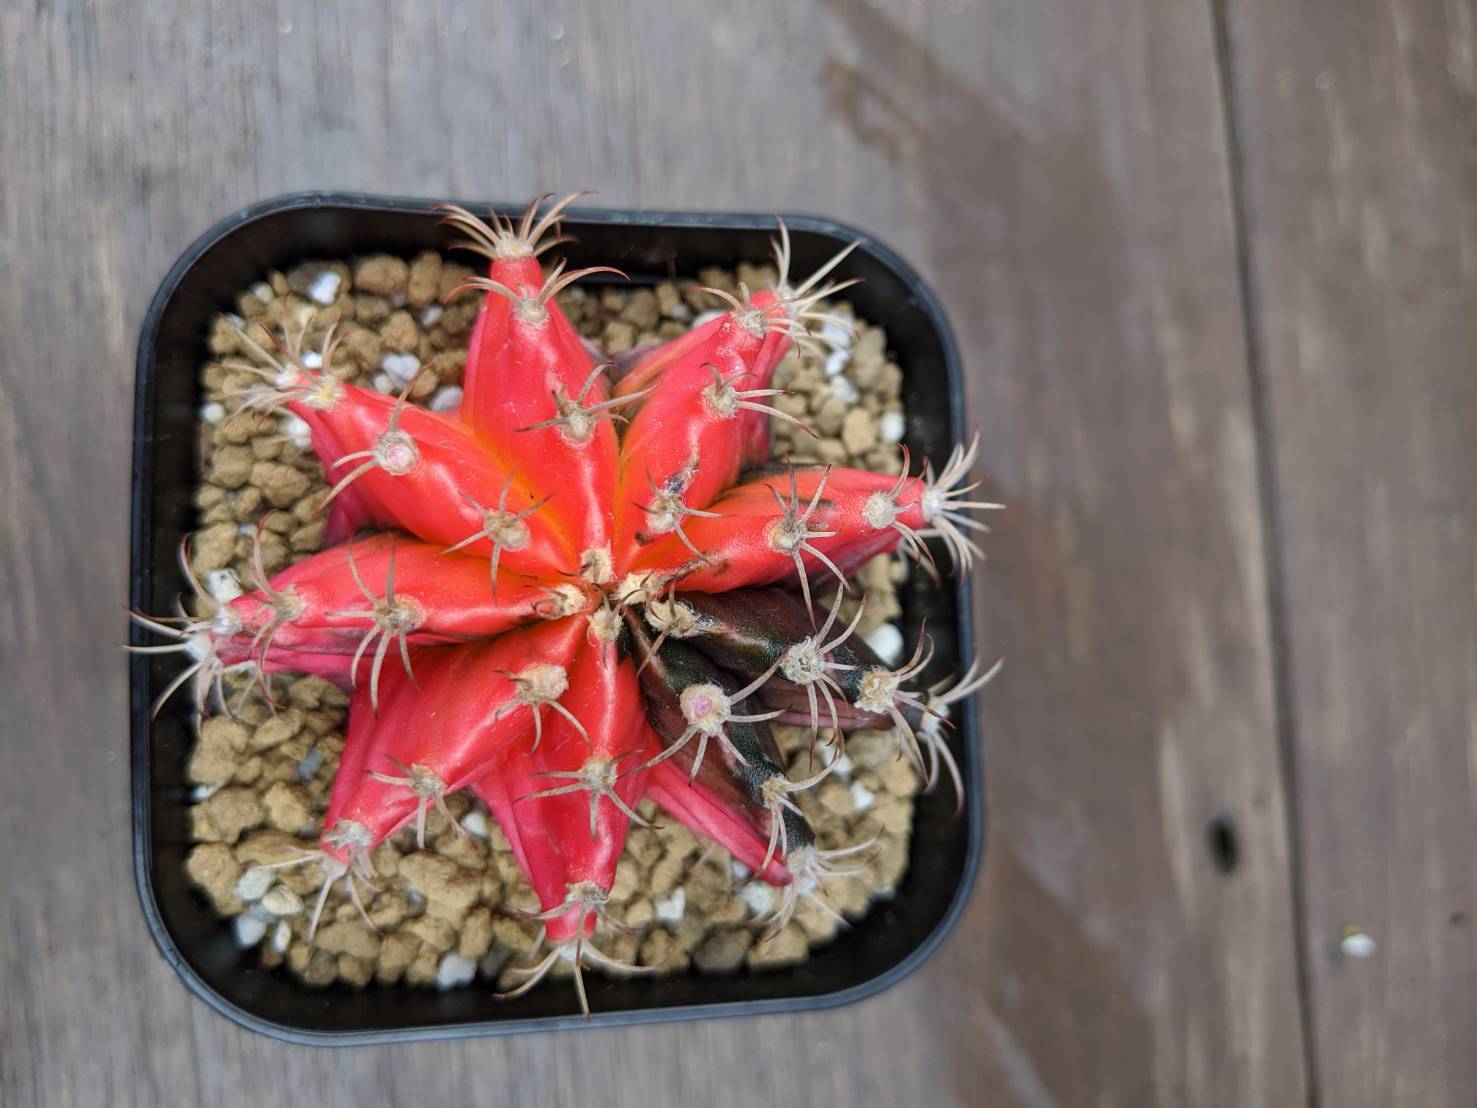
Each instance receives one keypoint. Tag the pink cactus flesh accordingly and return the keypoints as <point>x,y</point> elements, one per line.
<point>567,616</point>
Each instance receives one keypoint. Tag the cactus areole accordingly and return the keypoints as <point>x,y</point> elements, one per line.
<point>587,586</point>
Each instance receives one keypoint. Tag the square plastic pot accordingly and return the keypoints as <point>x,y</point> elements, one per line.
<point>889,943</point>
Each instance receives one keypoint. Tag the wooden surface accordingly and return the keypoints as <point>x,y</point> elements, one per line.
<point>1361,200</point>
<point>1213,268</point>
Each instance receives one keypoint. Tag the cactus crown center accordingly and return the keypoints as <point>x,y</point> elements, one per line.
<point>597,566</point>
<point>561,601</point>
<point>636,588</point>
<point>605,623</point>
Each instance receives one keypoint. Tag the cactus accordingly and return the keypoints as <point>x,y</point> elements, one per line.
<point>585,587</point>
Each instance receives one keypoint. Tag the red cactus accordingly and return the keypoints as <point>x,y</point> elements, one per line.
<point>541,617</point>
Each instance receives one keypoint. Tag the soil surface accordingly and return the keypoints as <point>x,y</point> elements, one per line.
<point>443,914</point>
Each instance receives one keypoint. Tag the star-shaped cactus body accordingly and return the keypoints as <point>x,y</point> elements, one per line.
<point>577,590</point>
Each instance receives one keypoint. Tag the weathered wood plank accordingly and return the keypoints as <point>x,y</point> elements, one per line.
<point>1057,170</point>
<point>1360,139</point>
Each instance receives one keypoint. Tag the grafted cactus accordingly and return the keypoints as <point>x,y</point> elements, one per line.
<point>586,586</point>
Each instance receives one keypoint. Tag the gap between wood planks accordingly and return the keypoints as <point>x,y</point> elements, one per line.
<point>1272,527</point>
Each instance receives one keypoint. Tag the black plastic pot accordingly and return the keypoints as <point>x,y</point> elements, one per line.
<point>888,944</point>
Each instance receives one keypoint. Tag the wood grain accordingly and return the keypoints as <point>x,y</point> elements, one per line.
<point>1057,170</point>
<point>1361,185</point>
